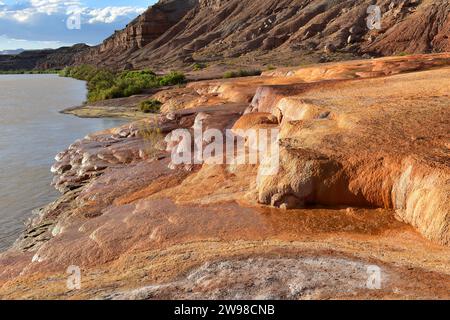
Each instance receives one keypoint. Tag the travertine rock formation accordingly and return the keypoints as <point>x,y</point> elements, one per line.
<point>363,184</point>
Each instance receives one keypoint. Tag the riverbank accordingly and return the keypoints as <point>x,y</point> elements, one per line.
<point>124,108</point>
<point>6,72</point>
<point>362,185</point>
<point>31,133</point>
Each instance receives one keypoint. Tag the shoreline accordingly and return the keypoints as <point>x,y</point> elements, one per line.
<point>28,72</point>
<point>44,118</point>
<point>91,112</point>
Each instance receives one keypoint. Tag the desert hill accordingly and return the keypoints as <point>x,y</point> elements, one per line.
<point>178,32</point>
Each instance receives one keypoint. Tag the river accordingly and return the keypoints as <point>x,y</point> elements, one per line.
<point>32,132</point>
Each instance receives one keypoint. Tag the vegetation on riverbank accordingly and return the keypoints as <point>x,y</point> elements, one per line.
<point>150,106</point>
<point>104,84</point>
<point>241,73</point>
<point>29,71</point>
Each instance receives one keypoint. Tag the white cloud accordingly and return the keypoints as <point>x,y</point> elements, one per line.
<point>34,8</point>
<point>112,14</point>
<point>22,15</point>
<point>12,43</point>
<point>67,7</point>
<point>39,20</point>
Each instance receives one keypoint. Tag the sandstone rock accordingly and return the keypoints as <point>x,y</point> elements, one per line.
<point>316,169</point>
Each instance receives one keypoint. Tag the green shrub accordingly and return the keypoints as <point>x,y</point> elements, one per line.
<point>171,79</point>
<point>199,66</point>
<point>229,74</point>
<point>150,106</point>
<point>144,78</point>
<point>48,71</point>
<point>103,84</point>
<point>102,80</point>
<point>241,73</point>
<point>64,72</point>
<point>83,72</point>
<point>152,136</point>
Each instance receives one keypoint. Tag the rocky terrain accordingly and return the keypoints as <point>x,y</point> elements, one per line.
<point>47,59</point>
<point>178,33</point>
<point>363,183</point>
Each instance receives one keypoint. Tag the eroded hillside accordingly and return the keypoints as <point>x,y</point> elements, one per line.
<point>176,33</point>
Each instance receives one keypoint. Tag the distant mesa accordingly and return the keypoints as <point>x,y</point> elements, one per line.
<point>41,59</point>
<point>11,52</point>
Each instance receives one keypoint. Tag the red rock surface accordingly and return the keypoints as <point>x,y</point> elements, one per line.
<point>363,182</point>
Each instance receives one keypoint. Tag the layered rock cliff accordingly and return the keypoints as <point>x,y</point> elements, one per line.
<point>146,28</point>
<point>175,33</point>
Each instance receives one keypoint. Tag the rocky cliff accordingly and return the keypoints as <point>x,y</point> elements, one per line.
<point>146,28</point>
<point>273,31</point>
<point>42,59</point>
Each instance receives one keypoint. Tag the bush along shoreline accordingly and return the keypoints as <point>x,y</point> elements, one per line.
<point>150,106</point>
<point>50,71</point>
<point>103,84</point>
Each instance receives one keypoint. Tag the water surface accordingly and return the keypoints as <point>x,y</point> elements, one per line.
<point>32,132</point>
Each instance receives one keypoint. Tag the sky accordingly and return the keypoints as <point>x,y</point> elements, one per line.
<point>37,24</point>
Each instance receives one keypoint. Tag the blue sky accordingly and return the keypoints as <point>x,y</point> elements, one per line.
<point>34,24</point>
